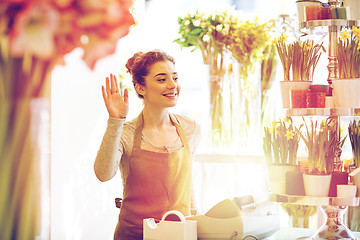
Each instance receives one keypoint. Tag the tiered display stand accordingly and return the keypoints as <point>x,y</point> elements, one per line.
<point>333,207</point>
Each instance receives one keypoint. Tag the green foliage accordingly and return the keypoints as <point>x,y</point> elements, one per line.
<point>354,135</point>
<point>322,144</point>
<point>301,57</point>
<point>348,52</point>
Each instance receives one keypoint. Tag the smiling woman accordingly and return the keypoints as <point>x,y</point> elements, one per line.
<point>153,151</point>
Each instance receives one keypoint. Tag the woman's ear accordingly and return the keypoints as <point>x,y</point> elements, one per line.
<point>140,89</point>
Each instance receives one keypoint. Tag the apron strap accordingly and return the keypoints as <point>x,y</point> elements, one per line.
<point>179,130</point>
<point>138,130</point>
<point>139,127</point>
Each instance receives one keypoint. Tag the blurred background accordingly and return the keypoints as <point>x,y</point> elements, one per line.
<point>82,207</point>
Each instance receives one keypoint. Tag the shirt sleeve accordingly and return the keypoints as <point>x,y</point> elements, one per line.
<point>110,151</point>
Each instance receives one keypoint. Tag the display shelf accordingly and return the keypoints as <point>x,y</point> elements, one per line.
<point>350,112</point>
<point>330,23</point>
<point>332,27</point>
<point>333,208</point>
<point>315,201</point>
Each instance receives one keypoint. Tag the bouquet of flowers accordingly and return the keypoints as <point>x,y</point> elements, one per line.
<point>218,32</point>
<point>222,38</point>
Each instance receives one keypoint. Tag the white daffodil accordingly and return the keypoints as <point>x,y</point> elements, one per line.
<point>206,38</point>
<point>218,27</point>
<point>196,23</point>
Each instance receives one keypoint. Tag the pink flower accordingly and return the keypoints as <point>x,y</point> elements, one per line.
<point>49,29</point>
<point>101,47</point>
<point>110,24</point>
<point>33,31</point>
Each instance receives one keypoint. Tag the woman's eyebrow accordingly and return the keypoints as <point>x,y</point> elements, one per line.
<point>160,74</point>
<point>164,74</point>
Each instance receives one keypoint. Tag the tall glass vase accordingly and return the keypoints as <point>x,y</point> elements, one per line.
<point>246,110</point>
<point>235,117</point>
<point>24,151</point>
<point>220,101</point>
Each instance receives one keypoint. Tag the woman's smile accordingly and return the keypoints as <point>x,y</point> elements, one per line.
<point>171,95</point>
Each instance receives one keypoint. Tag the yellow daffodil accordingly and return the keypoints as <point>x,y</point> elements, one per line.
<point>287,119</point>
<point>344,35</point>
<point>289,134</point>
<point>308,45</point>
<point>356,31</point>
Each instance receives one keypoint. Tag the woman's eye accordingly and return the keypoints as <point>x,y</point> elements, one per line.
<point>161,80</point>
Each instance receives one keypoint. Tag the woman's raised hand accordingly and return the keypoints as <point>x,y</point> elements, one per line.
<point>116,104</point>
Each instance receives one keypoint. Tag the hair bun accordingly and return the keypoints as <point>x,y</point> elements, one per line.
<point>131,61</point>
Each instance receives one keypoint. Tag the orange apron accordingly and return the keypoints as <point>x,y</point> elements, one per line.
<point>157,183</point>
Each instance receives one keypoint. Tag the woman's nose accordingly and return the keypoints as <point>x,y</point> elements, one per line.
<point>172,83</point>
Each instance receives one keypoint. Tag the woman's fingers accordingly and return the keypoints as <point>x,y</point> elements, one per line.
<point>116,85</point>
<point>112,78</point>
<point>103,92</point>
<point>108,90</point>
<point>112,87</point>
<point>126,95</point>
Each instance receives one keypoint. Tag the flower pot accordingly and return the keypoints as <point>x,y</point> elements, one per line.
<point>325,88</point>
<point>286,86</point>
<point>312,12</point>
<point>301,8</point>
<point>337,178</point>
<point>317,185</point>
<point>354,6</point>
<point>346,93</point>
<point>315,99</point>
<point>325,13</point>
<point>277,177</point>
<point>355,177</point>
<point>329,101</point>
<point>346,191</point>
<point>294,183</point>
<point>298,98</point>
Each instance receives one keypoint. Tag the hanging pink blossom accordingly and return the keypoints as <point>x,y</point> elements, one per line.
<point>49,29</point>
<point>33,31</point>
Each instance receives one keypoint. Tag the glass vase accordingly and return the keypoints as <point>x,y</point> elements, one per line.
<point>25,169</point>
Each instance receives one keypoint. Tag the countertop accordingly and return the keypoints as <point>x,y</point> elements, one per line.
<point>295,233</point>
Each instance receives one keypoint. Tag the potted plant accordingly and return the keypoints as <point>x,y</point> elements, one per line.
<point>354,135</point>
<point>348,56</point>
<point>299,60</point>
<point>280,144</point>
<point>323,146</point>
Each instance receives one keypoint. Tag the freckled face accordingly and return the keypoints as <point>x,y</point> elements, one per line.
<point>161,85</point>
